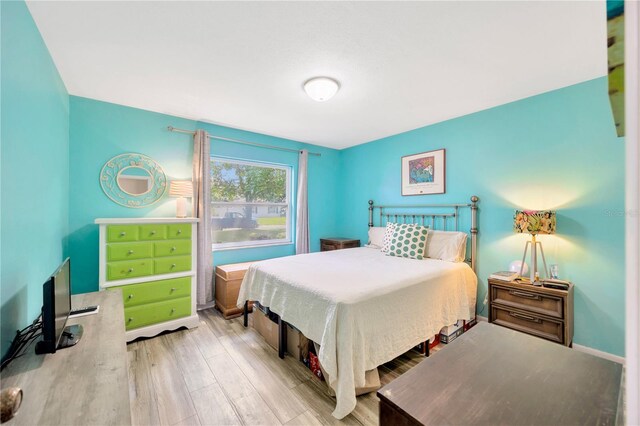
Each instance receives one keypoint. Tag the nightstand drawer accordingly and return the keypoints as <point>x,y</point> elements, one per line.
<point>529,323</point>
<point>543,304</point>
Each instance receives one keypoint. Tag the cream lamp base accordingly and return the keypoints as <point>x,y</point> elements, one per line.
<point>181,207</point>
<point>534,259</point>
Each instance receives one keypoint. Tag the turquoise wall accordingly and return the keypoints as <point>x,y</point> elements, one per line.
<point>34,169</point>
<point>559,151</point>
<point>101,130</point>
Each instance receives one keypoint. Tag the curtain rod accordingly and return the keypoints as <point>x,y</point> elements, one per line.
<point>191,132</point>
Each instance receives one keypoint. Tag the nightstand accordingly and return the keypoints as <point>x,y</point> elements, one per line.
<point>327,244</point>
<point>539,311</point>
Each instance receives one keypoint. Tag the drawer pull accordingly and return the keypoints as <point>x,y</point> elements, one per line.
<point>179,231</point>
<point>522,294</point>
<point>173,265</point>
<point>153,232</point>
<point>130,319</point>
<point>131,296</point>
<point>173,249</point>
<point>173,289</point>
<point>130,252</point>
<point>525,317</point>
<point>122,234</point>
<point>130,270</point>
<point>173,310</point>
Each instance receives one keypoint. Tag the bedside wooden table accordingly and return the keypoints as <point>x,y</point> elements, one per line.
<point>539,311</point>
<point>327,244</point>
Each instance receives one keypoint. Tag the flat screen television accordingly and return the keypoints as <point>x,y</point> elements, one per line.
<point>56,306</point>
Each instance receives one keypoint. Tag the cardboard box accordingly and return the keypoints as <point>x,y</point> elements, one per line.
<point>449,333</point>
<point>268,329</point>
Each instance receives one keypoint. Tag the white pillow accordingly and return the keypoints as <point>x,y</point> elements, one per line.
<point>446,245</point>
<point>376,236</point>
<point>388,234</point>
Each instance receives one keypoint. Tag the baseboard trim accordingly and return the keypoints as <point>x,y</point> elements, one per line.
<point>601,354</point>
<point>585,349</point>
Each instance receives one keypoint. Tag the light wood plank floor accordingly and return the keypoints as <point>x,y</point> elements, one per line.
<point>224,374</point>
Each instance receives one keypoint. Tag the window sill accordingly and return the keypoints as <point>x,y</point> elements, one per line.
<point>256,246</point>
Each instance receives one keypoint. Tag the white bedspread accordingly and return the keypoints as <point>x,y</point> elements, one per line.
<point>362,307</point>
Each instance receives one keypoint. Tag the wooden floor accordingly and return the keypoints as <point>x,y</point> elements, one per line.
<point>224,374</point>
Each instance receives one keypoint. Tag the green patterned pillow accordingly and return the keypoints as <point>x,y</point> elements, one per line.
<point>408,240</point>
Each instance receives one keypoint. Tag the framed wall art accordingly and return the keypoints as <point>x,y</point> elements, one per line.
<point>424,173</point>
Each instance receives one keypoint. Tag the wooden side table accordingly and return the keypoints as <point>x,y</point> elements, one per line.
<point>539,311</point>
<point>328,244</point>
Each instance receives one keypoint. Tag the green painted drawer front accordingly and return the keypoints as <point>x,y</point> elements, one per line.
<point>117,233</point>
<point>180,230</point>
<point>129,251</point>
<point>129,269</point>
<point>169,265</point>
<point>155,291</point>
<point>153,232</point>
<point>153,313</point>
<point>172,248</point>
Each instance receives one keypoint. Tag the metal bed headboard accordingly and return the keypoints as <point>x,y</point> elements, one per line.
<point>432,215</point>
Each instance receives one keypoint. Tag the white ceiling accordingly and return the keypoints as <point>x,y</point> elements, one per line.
<point>401,65</point>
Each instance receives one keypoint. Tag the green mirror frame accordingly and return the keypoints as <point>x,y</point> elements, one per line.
<point>113,167</point>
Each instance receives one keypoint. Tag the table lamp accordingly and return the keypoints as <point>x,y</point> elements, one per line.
<point>181,189</point>
<point>534,222</point>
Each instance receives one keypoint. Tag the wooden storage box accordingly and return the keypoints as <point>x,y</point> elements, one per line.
<point>228,280</point>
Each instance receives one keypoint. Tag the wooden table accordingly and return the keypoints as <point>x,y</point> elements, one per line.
<point>85,384</point>
<point>328,244</point>
<point>492,375</point>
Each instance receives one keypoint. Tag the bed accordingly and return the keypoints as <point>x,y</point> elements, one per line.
<point>365,308</point>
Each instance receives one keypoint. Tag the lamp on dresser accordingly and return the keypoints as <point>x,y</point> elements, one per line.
<point>534,222</point>
<point>181,189</point>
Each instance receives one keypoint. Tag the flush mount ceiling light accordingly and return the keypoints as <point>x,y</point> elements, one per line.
<point>321,89</point>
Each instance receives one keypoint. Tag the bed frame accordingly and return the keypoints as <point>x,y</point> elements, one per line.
<point>441,217</point>
<point>435,216</point>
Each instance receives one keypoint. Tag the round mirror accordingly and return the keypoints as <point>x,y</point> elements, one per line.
<point>133,180</point>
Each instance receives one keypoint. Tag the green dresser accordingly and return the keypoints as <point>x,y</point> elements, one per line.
<point>153,262</point>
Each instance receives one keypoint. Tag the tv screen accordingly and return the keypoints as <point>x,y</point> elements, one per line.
<point>56,306</point>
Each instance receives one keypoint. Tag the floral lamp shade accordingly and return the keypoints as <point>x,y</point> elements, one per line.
<point>534,222</point>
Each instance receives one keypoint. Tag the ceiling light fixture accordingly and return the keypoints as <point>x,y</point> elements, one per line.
<point>321,89</point>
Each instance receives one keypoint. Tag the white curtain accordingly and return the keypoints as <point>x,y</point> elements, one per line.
<point>302,212</point>
<point>202,210</point>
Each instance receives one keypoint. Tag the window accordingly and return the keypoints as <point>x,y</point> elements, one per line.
<point>250,203</point>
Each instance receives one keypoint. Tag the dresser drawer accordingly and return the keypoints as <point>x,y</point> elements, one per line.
<point>169,265</point>
<point>544,304</point>
<point>172,248</point>
<point>153,313</point>
<point>119,233</point>
<point>153,232</point>
<point>129,269</point>
<point>154,291</point>
<point>528,322</point>
<point>129,251</point>
<point>328,247</point>
<point>179,230</point>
